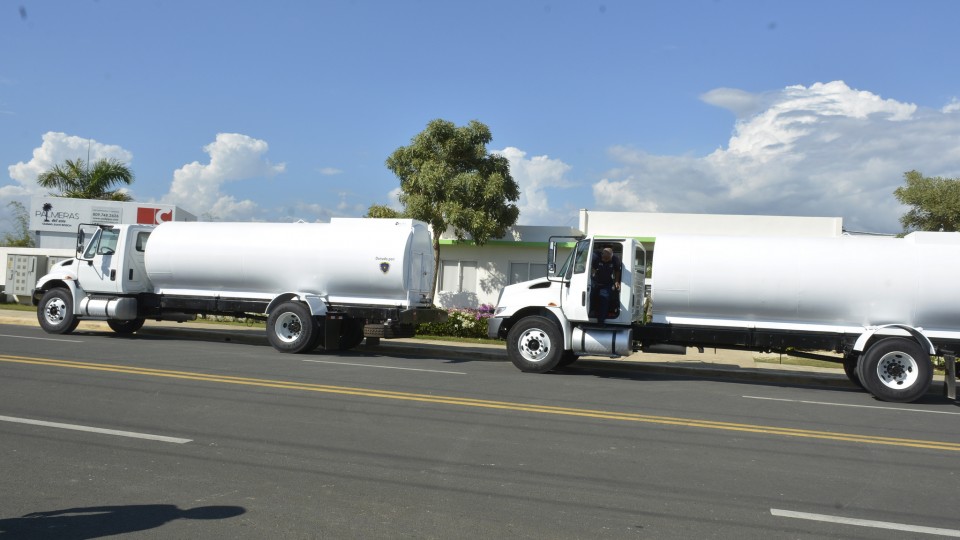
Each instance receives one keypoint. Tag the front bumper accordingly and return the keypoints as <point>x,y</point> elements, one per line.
<point>493,327</point>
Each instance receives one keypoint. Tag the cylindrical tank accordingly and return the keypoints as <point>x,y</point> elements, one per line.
<point>356,260</point>
<point>847,281</point>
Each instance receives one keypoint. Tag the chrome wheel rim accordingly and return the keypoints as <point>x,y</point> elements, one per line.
<point>898,370</point>
<point>55,311</point>
<point>288,327</point>
<point>534,345</point>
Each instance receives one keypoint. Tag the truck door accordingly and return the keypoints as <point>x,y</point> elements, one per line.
<point>97,270</point>
<point>638,286</point>
<point>575,297</point>
<point>134,279</point>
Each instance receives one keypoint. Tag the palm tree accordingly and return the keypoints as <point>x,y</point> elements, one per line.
<point>76,180</point>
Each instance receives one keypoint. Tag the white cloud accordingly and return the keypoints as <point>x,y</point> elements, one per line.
<point>393,199</point>
<point>739,102</point>
<point>330,171</point>
<point>534,176</point>
<point>823,150</point>
<point>55,149</point>
<point>952,107</point>
<point>233,156</point>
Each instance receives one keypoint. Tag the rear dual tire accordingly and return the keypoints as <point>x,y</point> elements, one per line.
<point>291,328</point>
<point>896,369</point>
<point>125,327</point>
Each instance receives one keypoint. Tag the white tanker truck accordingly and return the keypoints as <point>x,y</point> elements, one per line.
<point>316,284</point>
<point>886,304</point>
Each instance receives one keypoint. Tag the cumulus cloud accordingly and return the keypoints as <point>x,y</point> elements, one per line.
<point>54,149</point>
<point>952,107</point>
<point>822,150</point>
<point>535,176</point>
<point>197,187</point>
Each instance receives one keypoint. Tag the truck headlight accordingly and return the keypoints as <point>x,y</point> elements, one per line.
<point>499,310</point>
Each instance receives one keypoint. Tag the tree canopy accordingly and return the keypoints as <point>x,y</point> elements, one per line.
<point>382,211</point>
<point>77,180</point>
<point>934,203</point>
<point>21,236</point>
<point>448,179</point>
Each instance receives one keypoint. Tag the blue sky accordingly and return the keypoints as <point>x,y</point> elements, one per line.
<point>287,110</point>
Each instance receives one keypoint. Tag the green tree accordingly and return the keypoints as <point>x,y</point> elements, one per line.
<point>75,179</point>
<point>382,211</point>
<point>448,179</point>
<point>934,203</point>
<point>21,220</point>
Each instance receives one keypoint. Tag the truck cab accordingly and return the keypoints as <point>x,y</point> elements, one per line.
<point>549,322</point>
<point>110,259</point>
<point>102,282</point>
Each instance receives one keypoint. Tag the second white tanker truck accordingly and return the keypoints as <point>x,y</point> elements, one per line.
<point>887,304</point>
<point>316,284</point>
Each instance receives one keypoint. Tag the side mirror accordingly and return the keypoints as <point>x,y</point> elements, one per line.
<point>552,258</point>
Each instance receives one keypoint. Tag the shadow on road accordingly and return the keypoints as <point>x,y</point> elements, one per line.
<point>100,521</point>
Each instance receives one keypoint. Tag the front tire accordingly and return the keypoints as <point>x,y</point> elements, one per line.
<point>125,327</point>
<point>535,345</point>
<point>291,328</point>
<point>896,369</point>
<point>55,312</point>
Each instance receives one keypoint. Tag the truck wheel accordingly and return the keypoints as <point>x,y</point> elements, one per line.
<point>850,369</point>
<point>55,312</point>
<point>535,345</point>
<point>896,369</point>
<point>125,327</point>
<point>351,334</point>
<point>292,329</point>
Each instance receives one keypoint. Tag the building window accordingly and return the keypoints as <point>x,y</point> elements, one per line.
<point>458,276</point>
<point>524,271</point>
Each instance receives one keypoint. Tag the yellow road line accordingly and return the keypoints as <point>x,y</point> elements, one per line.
<point>488,404</point>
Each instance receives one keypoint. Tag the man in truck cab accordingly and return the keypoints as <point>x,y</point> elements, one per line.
<point>606,280</point>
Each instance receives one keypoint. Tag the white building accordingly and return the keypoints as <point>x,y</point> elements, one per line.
<point>55,219</point>
<point>54,222</point>
<point>472,275</point>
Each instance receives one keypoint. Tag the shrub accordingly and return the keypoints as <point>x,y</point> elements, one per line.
<point>461,322</point>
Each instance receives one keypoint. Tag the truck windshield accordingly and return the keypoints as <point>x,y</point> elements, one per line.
<point>104,242</point>
<point>108,242</point>
<point>581,253</point>
<point>566,266</point>
<point>92,245</point>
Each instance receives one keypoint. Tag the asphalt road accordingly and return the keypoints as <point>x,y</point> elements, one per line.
<point>156,437</point>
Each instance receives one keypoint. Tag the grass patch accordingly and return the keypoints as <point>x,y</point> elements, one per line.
<point>18,307</point>
<point>231,321</point>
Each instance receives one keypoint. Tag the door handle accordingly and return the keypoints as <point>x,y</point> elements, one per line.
<point>583,298</point>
